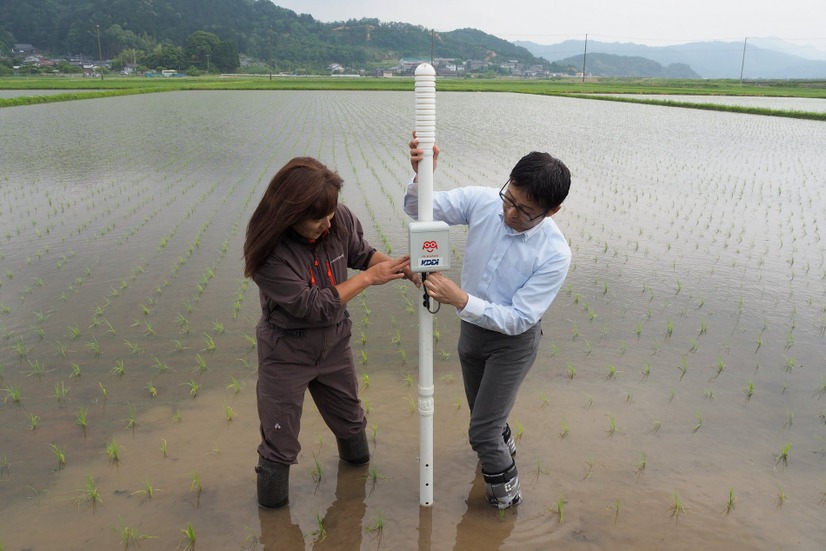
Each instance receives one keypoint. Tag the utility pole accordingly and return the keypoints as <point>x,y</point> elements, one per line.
<point>270,52</point>
<point>743,62</point>
<point>100,52</point>
<point>207,63</point>
<point>584,57</point>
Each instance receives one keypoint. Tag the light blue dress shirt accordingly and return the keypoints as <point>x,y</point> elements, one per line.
<point>510,277</point>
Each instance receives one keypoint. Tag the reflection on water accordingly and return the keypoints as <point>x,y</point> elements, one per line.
<point>682,357</point>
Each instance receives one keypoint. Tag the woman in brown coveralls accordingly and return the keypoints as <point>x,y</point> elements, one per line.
<point>299,244</point>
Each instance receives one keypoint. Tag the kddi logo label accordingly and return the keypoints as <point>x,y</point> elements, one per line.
<point>430,246</point>
<point>429,262</point>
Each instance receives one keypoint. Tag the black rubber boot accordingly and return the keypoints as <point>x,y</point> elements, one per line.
<point>273,483</point>
<point>502,489</point>
<point>354,450</point>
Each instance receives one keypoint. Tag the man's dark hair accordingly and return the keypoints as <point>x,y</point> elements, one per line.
<point>543,178</point>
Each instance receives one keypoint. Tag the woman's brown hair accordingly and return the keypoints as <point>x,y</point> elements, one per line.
<point>304,189</point>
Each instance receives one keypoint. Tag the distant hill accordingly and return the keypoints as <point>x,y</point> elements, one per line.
<point>627,66</point>
<point>258,29</point>
<point>707,59</point>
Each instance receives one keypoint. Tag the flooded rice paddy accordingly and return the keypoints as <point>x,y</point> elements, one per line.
<point>677,402</point>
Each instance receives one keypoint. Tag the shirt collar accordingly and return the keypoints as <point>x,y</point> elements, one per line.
<point>525,235</point>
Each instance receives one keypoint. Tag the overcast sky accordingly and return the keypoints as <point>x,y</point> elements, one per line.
<point>652,22</point>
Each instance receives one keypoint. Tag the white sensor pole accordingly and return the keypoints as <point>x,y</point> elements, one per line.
<point>426,133</point>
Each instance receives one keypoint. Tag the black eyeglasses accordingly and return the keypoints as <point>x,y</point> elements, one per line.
<point>522,212</point>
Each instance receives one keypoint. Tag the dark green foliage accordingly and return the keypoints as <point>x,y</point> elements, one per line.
<point>178,34</point>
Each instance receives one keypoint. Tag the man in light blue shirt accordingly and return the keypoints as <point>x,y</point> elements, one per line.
<point>515,261</point>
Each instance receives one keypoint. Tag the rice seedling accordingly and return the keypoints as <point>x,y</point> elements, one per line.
<point>403,355</point>
<point>616,507</point>
<point>789,419</point>
<point>820,390</point>
<point>89,494</point>
<point>612,426</point>
<point>103,391</point>
<point>708,394</point>
<point>447,378</point>
<point>193,388</point>
<point>641,465</point>
<point>147,491</point>
<point>790,363</point>
<point>34,420</point>
<point>612,373</point>
<point>183,324</point>
<point>131,421</point>
<point>228,412</point>
<point>196,483</point>
<point>732,499</point>
<point>703,326</point>
<point>589,469</point>
<point>234,385</point>
<point>317,472</point>
<point>60,455</point>
<point>119,369</point>
<point>61,348</point>
<point>130,536</point>
<point>164,449</point>
<point>210,343</point>
<point>411,404</point>
<point>719,367</point>
<point>61,391</point>
<point>188,537</point>
<point>589,401</point>
<point>134,348</point>
<point>75,371</point>
<point>699,422</point>
<point>376,527</point>
<point>36,369</point>
<point>12,393</point>
<point>202,365</point>
<point>251,342</point>
<point>545,399</point>
<point>363,357</point>
<point>5,466</point>
<point>749,390</point>
<point>781,498</point>
<point>560,510</point>
<point>179,346</point>
<point>113,451</point>
<point>783,456</point>
<point>645,372</point>
<point>319,534</point>
<point>80,420</point>
<point>565,429</point>
<point>93,346</point>
<point>538,471</point>
<point>176,417</point>
<point>365,380</point>
<point>677,509</point>
<point>362,340</point>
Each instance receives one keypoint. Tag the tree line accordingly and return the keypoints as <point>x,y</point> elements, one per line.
<point>214,34</point>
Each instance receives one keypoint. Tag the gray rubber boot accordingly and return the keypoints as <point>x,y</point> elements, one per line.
<point>507,436</point>
<point>354,450</point>
<point>502,489</point>
<point>273,483</point>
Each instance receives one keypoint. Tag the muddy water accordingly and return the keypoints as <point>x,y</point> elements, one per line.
<point>682,356</point>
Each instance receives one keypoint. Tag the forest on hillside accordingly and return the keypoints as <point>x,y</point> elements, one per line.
<point>160,32</point>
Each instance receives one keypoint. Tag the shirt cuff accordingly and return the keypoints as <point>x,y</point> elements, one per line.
<point>473,310</point>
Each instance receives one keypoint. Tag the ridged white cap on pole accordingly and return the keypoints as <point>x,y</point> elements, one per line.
<point>426,133</point>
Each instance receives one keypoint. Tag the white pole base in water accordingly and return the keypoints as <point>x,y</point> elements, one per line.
<point>426,133</point>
